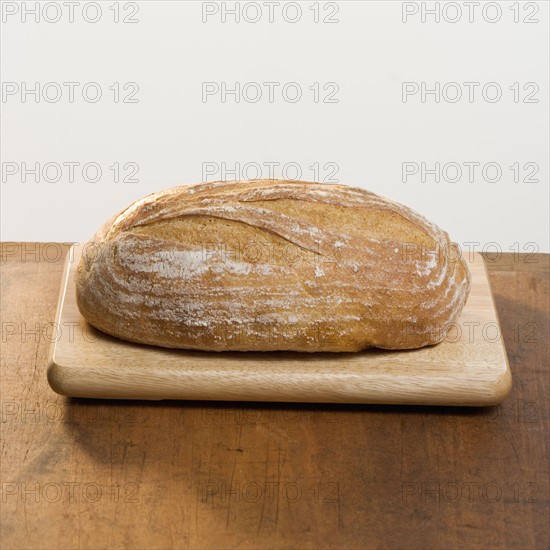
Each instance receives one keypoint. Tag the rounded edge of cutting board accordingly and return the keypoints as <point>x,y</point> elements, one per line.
<point>502,386</point>
<point>54,374</point>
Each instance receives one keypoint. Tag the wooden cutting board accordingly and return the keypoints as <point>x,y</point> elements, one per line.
<point>469,368</point>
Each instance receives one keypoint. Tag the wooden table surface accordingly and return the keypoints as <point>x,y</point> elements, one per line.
<point>98,474</point>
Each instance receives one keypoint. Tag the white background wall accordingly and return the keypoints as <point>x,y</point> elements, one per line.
<point>171,129</point>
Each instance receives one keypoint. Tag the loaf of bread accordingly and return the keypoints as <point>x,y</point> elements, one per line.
<point>271,265</point>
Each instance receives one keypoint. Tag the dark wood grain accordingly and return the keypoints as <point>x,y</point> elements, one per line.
<point>100,474</point>
<point>539,263</point>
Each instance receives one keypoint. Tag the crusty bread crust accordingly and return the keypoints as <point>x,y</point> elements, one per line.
<point>272,265</point>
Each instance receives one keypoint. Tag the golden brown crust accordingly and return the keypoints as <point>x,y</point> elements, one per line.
<point>272,265</point>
